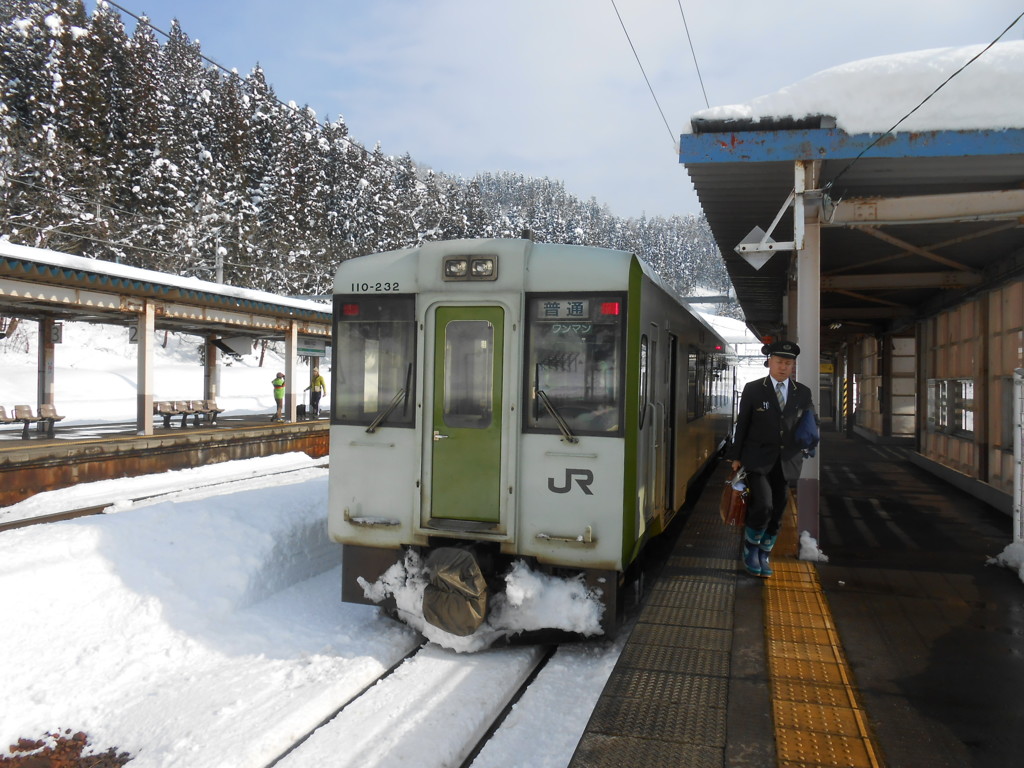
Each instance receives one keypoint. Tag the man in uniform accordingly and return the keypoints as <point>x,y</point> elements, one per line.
<point>764,445</point>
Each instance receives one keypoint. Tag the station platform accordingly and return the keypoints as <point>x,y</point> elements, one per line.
<point>905,649</point>
<point>91,452</point>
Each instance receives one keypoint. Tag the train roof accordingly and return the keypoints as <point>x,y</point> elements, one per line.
<point>544,266</point>
<point>590,268</point>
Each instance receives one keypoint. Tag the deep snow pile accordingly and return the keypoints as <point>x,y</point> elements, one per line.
<point>132,492</point>
<point>872,95</point>
<point>199,633</point>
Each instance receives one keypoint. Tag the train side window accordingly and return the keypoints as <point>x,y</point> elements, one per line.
<point>692,392</point>
<point>644,377</point>
<point>574,355</point>
<point>375,355</point>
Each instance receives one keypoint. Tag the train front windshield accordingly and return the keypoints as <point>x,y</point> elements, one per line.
<point>575,363</point>
<point>375,348</point>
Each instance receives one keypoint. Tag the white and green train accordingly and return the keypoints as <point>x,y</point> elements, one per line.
<point>500,403</point>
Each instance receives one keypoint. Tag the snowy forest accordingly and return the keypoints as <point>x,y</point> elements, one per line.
<point>137,149</point>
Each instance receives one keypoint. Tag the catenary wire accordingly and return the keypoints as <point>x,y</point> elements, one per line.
<point>694,54</point>
<point>895,125</point>
<point>675,143</point>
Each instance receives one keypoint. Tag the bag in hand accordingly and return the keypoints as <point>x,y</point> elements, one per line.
<point>733,504</point>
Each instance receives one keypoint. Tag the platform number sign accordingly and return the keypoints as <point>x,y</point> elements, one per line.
<point>57,333</point>
<point>133,334</point>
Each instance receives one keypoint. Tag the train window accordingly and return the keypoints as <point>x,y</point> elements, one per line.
<point>645,358</point>
<point>375,353</point>
<point>468,378</point>
<point>574,356</point>
<point>692,378</point>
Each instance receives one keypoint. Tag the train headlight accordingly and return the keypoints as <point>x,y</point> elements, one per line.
<point>456,268</point>
<point>470,268</point>
<point>482,268</point>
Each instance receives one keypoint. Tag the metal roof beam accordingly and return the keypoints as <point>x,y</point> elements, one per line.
<point>883,281</point>
<point>999,205</point>
<point>865,313</point>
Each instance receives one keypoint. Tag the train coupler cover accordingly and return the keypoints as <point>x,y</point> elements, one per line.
<point>455,600</point>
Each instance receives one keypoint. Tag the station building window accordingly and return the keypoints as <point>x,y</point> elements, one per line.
<point>951,406</point>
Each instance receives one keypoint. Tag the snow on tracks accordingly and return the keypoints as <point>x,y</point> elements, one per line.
<point>431,712</point>
<point>199,633</point>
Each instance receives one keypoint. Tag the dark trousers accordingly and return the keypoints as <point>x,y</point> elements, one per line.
<point>314,403</point>
<point>769,494</point>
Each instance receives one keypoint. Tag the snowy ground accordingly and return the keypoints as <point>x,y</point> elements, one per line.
<point>209,632</point>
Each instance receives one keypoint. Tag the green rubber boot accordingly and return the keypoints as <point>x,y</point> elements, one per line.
<point>763,550</point>
<point>752,550</point>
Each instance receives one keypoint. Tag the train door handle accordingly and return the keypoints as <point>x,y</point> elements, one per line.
<point>439,436</point>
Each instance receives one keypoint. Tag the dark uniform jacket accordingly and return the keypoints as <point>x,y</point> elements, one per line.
<point>764,432</point>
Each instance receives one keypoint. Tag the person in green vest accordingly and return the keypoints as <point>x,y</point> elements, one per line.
<point>278,384</point>
<point>319,388</point>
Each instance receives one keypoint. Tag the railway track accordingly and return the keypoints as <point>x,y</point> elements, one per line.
<point>434,708</point>
<point>211,488</point>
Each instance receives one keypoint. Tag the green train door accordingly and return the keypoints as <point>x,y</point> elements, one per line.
<point>467,414</point>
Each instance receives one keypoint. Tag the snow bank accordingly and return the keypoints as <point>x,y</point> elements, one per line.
<point>212,627</point>
<point>871,95</point>
<point>123,491</point>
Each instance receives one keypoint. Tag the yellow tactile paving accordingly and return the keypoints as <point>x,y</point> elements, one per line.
<point>818,721</point>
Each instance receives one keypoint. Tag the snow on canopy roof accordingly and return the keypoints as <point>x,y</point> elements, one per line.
<point>98,266</point>
<point>871,95</point>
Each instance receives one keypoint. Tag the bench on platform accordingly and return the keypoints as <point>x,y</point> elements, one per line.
<point>4,418</point>
<point>207,409</point>
<point>48,416</point>
<point>23,413</point>
<point>166,409</point>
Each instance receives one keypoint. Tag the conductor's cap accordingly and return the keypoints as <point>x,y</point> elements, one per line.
<point>781,348</point>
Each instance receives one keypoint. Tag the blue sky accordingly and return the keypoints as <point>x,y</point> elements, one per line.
<point>551,87</point>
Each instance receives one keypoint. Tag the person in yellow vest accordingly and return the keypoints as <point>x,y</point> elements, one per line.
<point>319,388</point>
<point>278,384</point>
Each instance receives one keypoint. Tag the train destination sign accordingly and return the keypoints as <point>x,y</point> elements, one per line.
<point>563,309</point>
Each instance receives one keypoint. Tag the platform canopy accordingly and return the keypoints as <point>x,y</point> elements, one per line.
<point>38,284</point>
<point>913,173</point>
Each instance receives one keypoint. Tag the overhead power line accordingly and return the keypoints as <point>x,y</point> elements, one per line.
<point>694,54</point>
<point>675,143</point>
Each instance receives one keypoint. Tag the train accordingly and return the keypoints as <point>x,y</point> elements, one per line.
<point>512,422</point>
